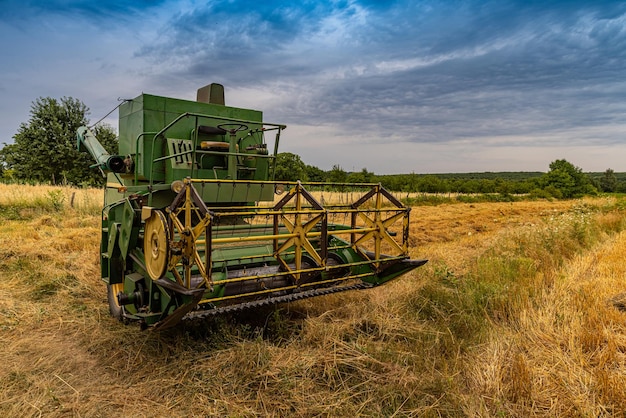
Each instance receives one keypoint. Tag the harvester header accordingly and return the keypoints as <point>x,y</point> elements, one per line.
<point>194,225</point>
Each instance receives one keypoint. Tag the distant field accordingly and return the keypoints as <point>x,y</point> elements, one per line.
<point>514,315</point>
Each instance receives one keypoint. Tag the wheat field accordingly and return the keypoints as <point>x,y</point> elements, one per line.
<point>518,313</point>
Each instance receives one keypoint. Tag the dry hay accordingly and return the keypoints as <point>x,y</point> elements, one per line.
<point>362,354</point>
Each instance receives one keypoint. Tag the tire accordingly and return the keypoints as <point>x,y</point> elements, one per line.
<point>116,310</point>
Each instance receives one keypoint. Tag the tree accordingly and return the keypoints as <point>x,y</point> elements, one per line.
<point>432,184</point>
<point>337,175</point>
<point>315,174</point>
<point>289,167</point>
<point>362,176</point>
<point>567,179</point>
<point>45,147</point>
<point>608,183</point>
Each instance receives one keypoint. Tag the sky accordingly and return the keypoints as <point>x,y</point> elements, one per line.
<point>395,87</point>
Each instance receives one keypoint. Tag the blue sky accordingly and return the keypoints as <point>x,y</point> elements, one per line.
<point>391,86</point>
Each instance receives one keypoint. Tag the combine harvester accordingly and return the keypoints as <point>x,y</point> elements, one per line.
<point>193,224</point>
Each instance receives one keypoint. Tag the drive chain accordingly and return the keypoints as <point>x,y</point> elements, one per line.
<point>220,310</point>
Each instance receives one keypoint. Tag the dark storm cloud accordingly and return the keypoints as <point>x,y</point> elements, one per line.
<point>425,71</point>
<point>241,41</point>
<point>454,77</point>
<point>276,37</point>
<point>552,72</point>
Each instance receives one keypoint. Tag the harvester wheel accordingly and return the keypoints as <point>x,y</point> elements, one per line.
<point>156,248</point>
<point>116,310</point>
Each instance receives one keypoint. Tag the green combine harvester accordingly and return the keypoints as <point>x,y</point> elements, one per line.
<point>194,225</point>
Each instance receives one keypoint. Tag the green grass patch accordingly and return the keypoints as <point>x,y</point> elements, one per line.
<point>508,276</point>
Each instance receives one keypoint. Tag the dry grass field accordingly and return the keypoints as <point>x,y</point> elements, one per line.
<point>516,314</point>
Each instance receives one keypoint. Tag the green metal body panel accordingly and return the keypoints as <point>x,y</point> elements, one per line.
<point>146,115</point>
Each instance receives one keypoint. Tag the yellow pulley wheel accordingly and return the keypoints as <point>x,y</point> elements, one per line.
<point>156,247</point>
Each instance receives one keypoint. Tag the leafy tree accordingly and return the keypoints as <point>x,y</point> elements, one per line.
<point>45,147</point>
<point>411,183</point>
<point>567,179</point>
<point>469,186</point>
<point>289,167</point>
<point>337,175</point>
<point>315,173</point>
<point>431,184</point>
<point>362,176</point>
<point>608,183</point>
<point>502,187</point>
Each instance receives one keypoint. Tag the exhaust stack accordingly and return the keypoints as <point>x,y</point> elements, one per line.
<point>212,93</point>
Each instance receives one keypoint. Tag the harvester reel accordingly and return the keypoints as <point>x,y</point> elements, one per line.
<point>380,233</point>
<point>156,245</point>
<point>189,219</point>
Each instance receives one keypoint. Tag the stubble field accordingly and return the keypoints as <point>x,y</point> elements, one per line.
<point>516,314</point>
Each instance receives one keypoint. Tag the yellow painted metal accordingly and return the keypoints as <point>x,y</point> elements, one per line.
<point>298,219</point>
<point>292,287</point>
<point>156,244</point>
<point>295,234</point>
<point>299,243</point>
<point>189,223</point>
<point>252,238</point>
<point>379,226</point>
<point>116,288</point>
<point>379,232</point>
<point>299,233</point>
<point>286,273</point>
<point>299,238</point>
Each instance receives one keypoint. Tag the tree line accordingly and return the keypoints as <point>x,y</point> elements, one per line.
<point>563,180</point>
<point>44,150</point>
